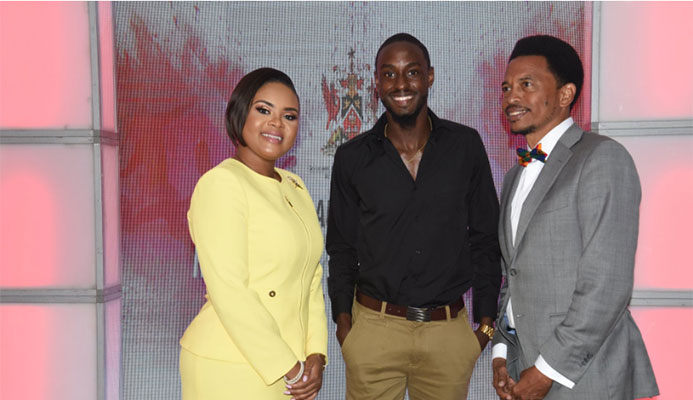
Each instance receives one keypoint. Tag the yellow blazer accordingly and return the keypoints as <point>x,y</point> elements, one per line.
<point>259,244</point>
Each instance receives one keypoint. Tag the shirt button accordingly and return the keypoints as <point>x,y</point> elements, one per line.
<point>272,293</point>
<point>513,272</point>
<point>417,251</point>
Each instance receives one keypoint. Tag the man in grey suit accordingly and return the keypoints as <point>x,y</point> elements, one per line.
<point>568,231</point>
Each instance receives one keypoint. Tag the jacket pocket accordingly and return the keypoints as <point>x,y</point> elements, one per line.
<point>552,205</point>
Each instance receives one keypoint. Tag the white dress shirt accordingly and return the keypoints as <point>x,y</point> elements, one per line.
<point>528,176</point>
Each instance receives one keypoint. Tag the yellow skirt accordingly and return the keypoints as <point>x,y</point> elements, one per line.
<point>206,379</point>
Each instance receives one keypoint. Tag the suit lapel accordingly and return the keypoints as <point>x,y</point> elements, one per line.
<point>505,229</point>
<point>559,157</point>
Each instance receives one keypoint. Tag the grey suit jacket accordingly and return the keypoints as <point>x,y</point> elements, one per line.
<point>570,272</point>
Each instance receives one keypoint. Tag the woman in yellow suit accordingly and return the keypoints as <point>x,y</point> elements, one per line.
<point>262,334</point>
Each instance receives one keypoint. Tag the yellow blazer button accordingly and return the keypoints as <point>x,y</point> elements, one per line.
<point>272,293</point>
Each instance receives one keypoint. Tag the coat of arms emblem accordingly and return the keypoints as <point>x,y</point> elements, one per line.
<point>351,102</point>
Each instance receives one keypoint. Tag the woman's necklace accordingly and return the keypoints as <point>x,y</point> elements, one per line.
<point>408,160</point>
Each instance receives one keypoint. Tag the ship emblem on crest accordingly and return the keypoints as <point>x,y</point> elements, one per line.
<point>351,102</point>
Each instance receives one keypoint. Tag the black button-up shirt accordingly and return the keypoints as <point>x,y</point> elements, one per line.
<point>419,243</point>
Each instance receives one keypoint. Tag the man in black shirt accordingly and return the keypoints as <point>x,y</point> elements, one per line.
<point>412,226</point>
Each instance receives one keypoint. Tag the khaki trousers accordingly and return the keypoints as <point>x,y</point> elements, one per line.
<point>385,355</point>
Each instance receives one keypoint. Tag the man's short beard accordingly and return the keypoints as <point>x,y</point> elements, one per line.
<point>407,120</point>
<point>526,131</point>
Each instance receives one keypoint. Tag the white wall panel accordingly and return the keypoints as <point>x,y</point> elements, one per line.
<point>106,67</point>
<point>111,214</point>
<point>45,77</point>
<point>48,351</point>
<point>645,61</point>
<point>59,203</point>
<point>666,212</point>
<point>671,353</point>
<point>113,349</point>
<point>47,214</point>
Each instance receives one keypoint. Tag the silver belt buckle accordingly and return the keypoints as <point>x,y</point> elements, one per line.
<point>418,314</point>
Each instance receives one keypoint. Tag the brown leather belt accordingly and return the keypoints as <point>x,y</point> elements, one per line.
<point>411,313</point>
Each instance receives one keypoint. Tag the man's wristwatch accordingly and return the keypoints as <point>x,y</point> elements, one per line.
<point>487,330</point>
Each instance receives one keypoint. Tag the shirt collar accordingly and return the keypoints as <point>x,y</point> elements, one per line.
<point>548,142</point>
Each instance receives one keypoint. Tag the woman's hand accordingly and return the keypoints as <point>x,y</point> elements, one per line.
<point>310,383</point>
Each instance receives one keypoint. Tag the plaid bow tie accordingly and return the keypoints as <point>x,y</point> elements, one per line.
<point>525,156</point>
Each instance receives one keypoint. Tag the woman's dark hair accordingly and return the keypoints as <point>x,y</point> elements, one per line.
<point>562,59</point>
<point>243,94</point>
